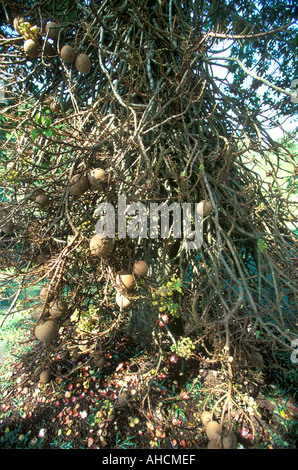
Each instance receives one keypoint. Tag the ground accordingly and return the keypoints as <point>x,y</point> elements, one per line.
<point>133,402</point>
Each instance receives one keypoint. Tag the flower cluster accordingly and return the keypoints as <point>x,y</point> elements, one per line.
<point>164,298</point>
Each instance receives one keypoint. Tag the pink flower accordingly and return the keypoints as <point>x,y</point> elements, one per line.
<point>176,421</point>
<point>42,433</point>
<point>245,433</point>
<point>174,358</point>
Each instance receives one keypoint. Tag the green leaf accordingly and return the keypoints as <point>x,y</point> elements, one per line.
<point>34,134</point>
<point>49,132</point>
<point>47,121</point>
<point>38,118</point>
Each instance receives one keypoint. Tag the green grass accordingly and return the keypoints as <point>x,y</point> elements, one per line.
<point>12,333</point>
<point>14,326</point>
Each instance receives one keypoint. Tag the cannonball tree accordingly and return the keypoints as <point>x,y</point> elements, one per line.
<point>152,105</point>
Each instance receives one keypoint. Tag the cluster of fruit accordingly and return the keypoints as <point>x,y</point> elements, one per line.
<point>125,280</point>
<point>34,44</point>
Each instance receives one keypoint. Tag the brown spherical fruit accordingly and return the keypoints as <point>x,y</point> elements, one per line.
<point>46,331</point>
<point>213,430</point>
<point>214,444</point>
<point>99,361</point>
<point>83,63</point>
<point>31,49</point>
<point>58,309</point>
<point>125,281</point>
<point>256,359</point>
<point>8,228</point>
<point>37,371</point>
<point>123,302</point>
<point>49,50</point>
<point>42,201</point>
<point>205,417</point>
<point>45,376</point>
<point>230,441</point>
<point>96,178</point>
<point>207,207</point>
<point>52,29</point>
<point>38,308</point>
<point>55,106</point>
<point>78,184</point>
<point>101,246</point>
<point>68,54</point>
<point>44,292</point>
<point>123,400</point>
<point>140,268</point>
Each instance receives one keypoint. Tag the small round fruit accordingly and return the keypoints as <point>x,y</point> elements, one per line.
<point>101,246</point>
<point>43,293</point>
<point>140,268</point>
<point>58,309</point>
<point>55,106</point>
<point>68,54</point>
<point>31,49</point>
<point>256,359</point>
<point>230,441</point>
<point>37,311</point>
<point>53,29</point>
<point>42,201</point>
<point>125,281</point>
<point>207,207</point>
<point>96,178</point>
<point>45,376</point>
<point>214,444</point>
<point>83,63</point>
<point>78,184</point>
<point>46,331</point>
<point>8,228</point>
<point>49,50</point>
<point>123,302</point>
<point>123,400</point>
<point>37,371</point>
<point>205,417</point>
<point>99,361</point>
<point>213,430</point>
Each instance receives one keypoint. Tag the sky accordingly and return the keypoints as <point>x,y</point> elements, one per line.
<point>289,125</point>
